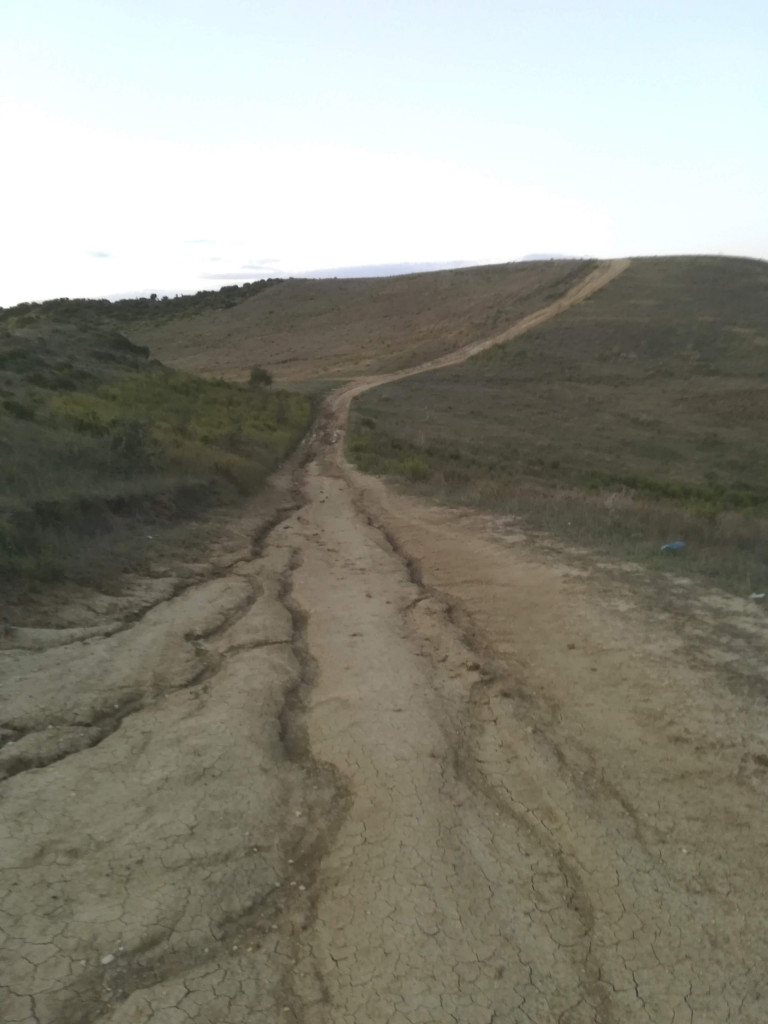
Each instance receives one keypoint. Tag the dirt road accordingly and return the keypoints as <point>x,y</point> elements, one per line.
<point>391,765</point>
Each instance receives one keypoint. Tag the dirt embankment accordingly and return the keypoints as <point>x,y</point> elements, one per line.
<point>391,766</point>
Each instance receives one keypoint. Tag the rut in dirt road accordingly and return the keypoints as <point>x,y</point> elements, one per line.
<point>433,904</point>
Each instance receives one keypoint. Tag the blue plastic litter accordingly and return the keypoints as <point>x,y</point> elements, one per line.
<point>675,545</point>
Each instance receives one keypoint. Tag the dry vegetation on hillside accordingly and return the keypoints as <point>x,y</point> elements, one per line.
<point>635,418</point>
<point>346,327</point>
<point>101,449</point>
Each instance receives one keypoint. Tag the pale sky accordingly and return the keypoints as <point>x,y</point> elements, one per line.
<point>173,145</point>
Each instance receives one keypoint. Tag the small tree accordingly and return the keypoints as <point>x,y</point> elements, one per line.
<point>260,378</point>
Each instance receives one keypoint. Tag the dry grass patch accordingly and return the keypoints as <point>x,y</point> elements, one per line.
<point>348,327</point>
<point>635,418</point>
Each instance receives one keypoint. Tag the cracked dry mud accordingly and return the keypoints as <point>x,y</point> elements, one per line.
<point>390,767</point>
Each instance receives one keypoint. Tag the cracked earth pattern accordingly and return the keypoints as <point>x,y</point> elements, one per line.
<point>389,768</point>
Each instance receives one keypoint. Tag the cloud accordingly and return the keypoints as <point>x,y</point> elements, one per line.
<point>99,255</point>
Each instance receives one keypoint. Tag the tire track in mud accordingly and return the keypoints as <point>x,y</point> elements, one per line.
<point>432,870</point>
<point>324,821</point>
<point>463,734</point>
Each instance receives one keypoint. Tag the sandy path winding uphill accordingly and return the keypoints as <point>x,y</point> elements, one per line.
<point>602,275</point>
<point>386,768</point>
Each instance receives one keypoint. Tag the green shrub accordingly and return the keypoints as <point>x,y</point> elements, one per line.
<point>259,378</point>
<point>143,446</point>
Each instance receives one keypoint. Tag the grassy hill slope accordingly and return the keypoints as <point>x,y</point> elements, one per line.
<point>639,416</point>
<point>98,442</point>
<point>338,328</point>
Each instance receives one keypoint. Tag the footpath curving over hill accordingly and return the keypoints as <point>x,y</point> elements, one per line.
<point>386,766</point>
<point>634,418</point>
<point>342,328</point>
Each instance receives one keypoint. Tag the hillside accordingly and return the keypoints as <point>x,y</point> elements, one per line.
<point>341,328</point>
<point>635,418</point>
<point>102,448</point>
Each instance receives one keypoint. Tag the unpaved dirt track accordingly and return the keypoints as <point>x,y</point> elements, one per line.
<point>385,768</point>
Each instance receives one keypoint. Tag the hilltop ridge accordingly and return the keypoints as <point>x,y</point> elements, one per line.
<point>340,328</point>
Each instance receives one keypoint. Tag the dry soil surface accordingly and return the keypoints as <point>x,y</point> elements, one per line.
<point>394,764</point>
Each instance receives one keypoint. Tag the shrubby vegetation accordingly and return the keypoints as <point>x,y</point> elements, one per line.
<point>259,377</point>
<point>96,439</point>
<point>123,312</point>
